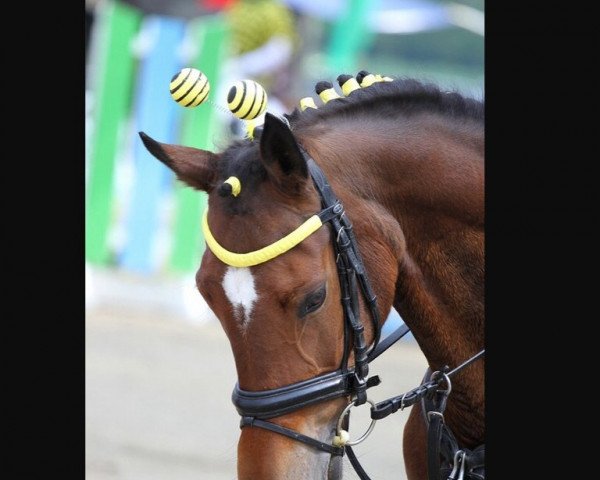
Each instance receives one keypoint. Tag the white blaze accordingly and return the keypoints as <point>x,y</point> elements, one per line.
<point>238,284</point>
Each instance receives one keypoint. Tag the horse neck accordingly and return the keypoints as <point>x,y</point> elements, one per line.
<point>427,173</point>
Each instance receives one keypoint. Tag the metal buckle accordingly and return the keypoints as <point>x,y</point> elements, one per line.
<point>433,413</point>
<point>402,401</point>
<point>337,240</point>
<point>447,378</point>
<point>459,466</point>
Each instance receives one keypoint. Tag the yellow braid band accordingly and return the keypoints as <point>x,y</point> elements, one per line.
<point>380,78</point>
<point>264,254</point>
<point>349,86</point>
<point>368,80</point>
<point>236,185</point>
<point>307,102</point>
<point>328,95</point>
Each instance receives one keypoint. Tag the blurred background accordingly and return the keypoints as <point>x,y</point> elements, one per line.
<point>159,371</point>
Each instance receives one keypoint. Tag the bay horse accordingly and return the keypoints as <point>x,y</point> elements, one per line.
<point>406,161</point>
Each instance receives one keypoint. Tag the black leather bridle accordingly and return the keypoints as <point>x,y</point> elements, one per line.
<point>255,407</point>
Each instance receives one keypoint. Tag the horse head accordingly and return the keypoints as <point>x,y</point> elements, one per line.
<point>283,315</point>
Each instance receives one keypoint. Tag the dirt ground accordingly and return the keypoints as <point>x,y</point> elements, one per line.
<point>158,400</point>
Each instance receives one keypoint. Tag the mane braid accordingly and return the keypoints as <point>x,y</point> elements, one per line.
<point>384,99</point>
<point>390,99</point>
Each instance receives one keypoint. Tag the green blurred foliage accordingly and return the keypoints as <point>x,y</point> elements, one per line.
<point>478,4</point>
<point>450,45</point>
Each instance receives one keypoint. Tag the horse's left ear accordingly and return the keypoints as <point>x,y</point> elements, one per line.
<point>281,155</point>
<point>195,167</point>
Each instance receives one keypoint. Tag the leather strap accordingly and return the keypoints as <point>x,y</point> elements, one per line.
<point>393,404</point>
<point>360,471</point>
<point>273,427</point>
<point>346,242</point>
<point>280,401</point>
<point>434,405</point>
<point>475,463</point>
<point>434,439</point>
<point>358,468</point>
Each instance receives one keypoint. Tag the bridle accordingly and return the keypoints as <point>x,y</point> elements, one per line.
<point>257,407</point>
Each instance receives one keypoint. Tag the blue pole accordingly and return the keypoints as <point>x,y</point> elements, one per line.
<point>156,114</point>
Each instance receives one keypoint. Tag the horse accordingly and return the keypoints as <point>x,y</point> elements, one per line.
<point>406,160</point>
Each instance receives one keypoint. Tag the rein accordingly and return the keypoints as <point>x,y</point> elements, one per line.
<point>256,407</point>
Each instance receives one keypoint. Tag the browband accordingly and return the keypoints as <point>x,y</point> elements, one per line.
<point>270,251</point>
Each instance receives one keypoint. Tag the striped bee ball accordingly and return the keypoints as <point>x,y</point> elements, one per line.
<point>247,99</point>
<point>189,87</point>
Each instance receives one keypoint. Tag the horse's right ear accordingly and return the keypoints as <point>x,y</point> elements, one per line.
<point>281,155</point>
<point>195,167</point>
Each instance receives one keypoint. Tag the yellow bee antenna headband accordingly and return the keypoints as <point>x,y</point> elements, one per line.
<point>246,99</point>
<point>264,254</point>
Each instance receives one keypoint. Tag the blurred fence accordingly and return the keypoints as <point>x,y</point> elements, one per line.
<point>137,217</point>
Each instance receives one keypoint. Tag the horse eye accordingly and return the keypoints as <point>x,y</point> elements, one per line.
<point>313,301</point>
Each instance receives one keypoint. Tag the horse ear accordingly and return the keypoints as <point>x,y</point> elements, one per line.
<point>195,167</point>
<point>281,155</point>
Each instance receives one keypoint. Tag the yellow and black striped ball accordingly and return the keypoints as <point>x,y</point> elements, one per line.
<point>189,87</point>
<point>247,99</point>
